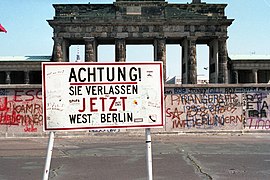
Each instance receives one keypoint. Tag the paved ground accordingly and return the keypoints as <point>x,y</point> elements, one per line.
<point>123,157</point>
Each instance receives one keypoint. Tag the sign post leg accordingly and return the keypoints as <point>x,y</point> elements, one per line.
<point>49,157</point>
<point>149,153</point>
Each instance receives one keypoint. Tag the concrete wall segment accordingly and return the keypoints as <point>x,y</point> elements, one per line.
<point>188,108</point>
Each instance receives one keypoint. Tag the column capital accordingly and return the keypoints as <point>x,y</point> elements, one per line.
<point>222,38</point>
<point>57,39</point>
<point>119,39</point>
<point>89,39</point>
<point>160,38</point>
<point>212,41</point>
<point>191,38</point>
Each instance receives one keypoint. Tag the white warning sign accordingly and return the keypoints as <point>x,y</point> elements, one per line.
<point>79,96</point>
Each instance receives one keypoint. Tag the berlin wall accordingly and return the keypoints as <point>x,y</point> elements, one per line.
<point>217,107</point>
<point>20,110</point>
<point>188,108</point>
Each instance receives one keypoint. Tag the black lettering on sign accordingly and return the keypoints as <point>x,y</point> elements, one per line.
<point>80,118</point>
<point>96,74</point>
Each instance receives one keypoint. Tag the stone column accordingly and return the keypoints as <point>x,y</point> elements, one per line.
<point>222,61</point>
<point>160,53</point>
<point>26,77</point>
<point>57,50</point>
<point>90,50</point>
<point>235,76</point>
<point>120,50</point>
<point>213,61</point>
<point>8,80</point>
<point>255,75</point>
<point>65,50</point>
<point>192,62</point>
<point>184,45</point>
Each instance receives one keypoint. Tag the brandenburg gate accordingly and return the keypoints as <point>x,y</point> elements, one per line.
<point>155,22</point>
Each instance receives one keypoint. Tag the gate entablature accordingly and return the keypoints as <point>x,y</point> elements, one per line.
<point>140,22</point>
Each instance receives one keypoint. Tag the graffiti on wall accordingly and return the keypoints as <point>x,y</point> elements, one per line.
<point>203,111</point>
<point>217,108</point>
<point>257,110</point>
<point>21,108</point>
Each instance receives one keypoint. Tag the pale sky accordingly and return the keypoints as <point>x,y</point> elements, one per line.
<point>30,34</point>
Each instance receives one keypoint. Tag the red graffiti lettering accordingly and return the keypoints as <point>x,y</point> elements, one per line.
<point>22,108</point>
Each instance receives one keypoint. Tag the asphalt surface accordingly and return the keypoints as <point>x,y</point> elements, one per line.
<point>119,156</point>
